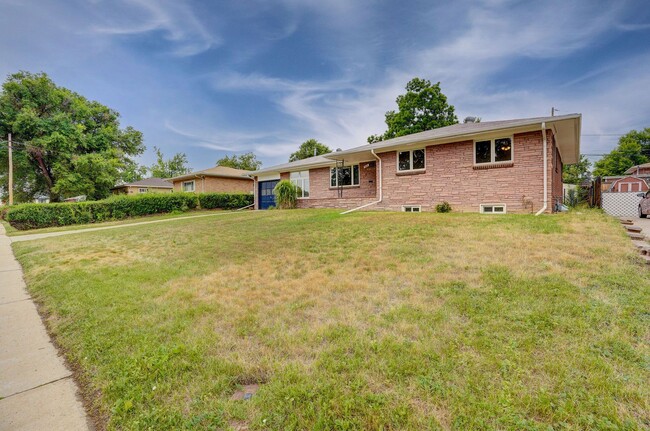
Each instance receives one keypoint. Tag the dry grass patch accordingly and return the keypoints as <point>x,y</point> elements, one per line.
<point>366,321</point>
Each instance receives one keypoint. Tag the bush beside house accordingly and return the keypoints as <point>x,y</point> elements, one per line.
<point>225,201</point>
<point>34,216</point>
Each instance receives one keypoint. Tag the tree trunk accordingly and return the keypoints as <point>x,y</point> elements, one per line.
<point>37,155</point>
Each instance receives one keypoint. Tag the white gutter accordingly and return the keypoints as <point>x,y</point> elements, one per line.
<point>381,194</point>
<point>545,172</point>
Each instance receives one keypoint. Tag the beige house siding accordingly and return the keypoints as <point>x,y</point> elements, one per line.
<point>130,190</point>
<point>217,185</point>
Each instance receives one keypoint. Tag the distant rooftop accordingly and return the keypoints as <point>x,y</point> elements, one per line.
<point>633,169</point>
<point>149,182</point>
<point>217,171</point>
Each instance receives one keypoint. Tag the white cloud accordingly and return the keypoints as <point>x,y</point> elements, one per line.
<point>494,35</point>
<point>273,144</point>
<point>180,26</point>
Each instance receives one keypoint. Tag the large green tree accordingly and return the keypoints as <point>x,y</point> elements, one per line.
<point>66,145</point>
<point>423,107</point>
<point>132,171</point>
<point>246,161</point>
<point>633,149</point>
<point>167,168</point>
<point>577,173</point>
<point>309,148</point>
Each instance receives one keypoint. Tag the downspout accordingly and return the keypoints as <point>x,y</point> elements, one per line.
<point>380,188</point>
<point>545,171</point>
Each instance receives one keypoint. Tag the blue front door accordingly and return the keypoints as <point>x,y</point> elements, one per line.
<point>265,194</point>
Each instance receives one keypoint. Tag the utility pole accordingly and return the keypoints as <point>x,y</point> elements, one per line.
<point>11,172</point>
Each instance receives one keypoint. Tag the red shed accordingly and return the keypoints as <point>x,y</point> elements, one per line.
<point>629,184</point>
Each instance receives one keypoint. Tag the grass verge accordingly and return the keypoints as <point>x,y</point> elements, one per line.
<point>12,231</point>
<point>366,321</point>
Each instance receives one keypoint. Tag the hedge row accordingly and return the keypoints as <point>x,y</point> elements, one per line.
<point>34,216</point>
<point>225,201</point>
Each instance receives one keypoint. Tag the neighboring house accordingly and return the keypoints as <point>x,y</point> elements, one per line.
<point>220,179</point>
<point>80,198</point>
<point>42,199</point>
<point>628,184</point>
<point>639,171</point>
<point>148,185</point>
<point>488,167</point>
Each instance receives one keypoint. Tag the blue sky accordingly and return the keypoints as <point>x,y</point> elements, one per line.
<point>225,77</point>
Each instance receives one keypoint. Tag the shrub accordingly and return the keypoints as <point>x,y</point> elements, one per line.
<point>286,194</point>
<point>443,207</point>
<point>226,201</point>
<point>33,216</point>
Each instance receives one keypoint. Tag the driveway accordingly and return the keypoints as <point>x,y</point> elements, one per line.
<point>644,224</point>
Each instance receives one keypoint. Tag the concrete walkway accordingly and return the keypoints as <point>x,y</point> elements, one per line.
<point>37,391</point>
<point>19,238</point>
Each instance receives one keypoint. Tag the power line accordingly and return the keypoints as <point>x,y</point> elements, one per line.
<point>603,134</point>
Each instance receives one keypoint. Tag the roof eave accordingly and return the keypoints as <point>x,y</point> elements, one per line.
<point>200,175</point>
<point>272,170</point>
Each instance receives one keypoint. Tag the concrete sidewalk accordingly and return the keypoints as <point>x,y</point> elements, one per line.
<point>37,391</point>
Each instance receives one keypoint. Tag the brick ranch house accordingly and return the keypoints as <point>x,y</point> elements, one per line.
<point>148,185</point>
<point>220,179</point>
<point>488,167</point>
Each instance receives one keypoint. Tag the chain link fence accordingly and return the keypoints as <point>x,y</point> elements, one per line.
<point>621,204</point>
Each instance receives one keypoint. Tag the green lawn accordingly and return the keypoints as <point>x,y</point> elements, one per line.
<point>366,321</point>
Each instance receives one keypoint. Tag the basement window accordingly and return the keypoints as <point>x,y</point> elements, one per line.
<point>493,208</point>
<point>411,208</point>
<point>142,190</point>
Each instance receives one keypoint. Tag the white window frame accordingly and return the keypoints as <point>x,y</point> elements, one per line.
<point>351,175</point>
<point>493,153</point>
<point>300,182</point>
<point>417,208</point>
<point>188,182</point>
<point>410,169</point>
<point>482,209</point>
<point>143,190</point>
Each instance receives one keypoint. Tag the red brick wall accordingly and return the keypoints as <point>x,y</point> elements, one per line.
<point>319,183</point>
<point>343,203</point>
<point>450,176</point>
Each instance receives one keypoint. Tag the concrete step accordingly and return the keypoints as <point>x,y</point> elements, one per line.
<point>635,235</point>
<point>636,229</point>
<point>626,221</point>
